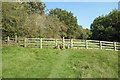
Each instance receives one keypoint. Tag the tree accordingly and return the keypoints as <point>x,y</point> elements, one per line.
<point>34,7</point>
<point>14,16</point>
<point>66,18</point>
<point>28,19</point>
<point>106,27</point>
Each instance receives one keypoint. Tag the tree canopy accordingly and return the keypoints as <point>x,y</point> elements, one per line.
<point>70,21</point>
<point>29,19</point>
<point>107,27</point>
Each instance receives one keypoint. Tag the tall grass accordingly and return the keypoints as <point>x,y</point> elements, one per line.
<point>20,62</point>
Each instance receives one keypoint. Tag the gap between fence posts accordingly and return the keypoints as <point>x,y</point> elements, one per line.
<point>114,44</point>
<point>86,44</point>
<point>18,42</point>
<point>63,41</point>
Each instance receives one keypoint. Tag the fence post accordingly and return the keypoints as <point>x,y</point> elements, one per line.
<point>86,45</point>
<point>71,41</point>
<point>56,42</point>
<point>114,43</point>
<point>15,38</point>
<point>25,40</point>
<point>63,41</point>
<point>8,39</point>
<point>100,44</point>
<point>68,46</point>
<point>40,42</point>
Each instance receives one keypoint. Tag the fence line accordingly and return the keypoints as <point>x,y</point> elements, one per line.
<point>65,43</point>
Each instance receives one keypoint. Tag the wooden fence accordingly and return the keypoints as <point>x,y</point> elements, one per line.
<point>66,43</point>
<point>13,41</point>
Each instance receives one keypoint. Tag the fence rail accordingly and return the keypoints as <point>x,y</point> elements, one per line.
<point>65,43</point>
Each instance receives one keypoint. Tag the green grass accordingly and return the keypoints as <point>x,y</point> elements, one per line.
<point>20,62</point>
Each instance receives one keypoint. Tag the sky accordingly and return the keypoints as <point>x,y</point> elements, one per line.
<point>85,12</point>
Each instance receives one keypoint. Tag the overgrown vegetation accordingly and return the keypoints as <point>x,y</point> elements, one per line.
<point>107,27</point>
<point>19,62</point>
<point>29,19</point>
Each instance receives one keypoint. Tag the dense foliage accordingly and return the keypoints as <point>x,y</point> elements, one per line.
<point>73,30</point>
<point>30,19</point>
<point>107,27</point>
<point>68,19</point>
<point>15,15</point>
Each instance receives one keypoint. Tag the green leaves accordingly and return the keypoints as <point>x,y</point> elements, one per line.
<point>106,27</point>
<point>28,19</point>
<point>15,15</point>
<point>71,28</point>
<point>34,7</point>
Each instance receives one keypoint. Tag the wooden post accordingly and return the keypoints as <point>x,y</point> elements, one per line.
<point>63,41</point>
<point>25,40</point>
<point>8,39</point>
<point>68,46</point>
<point>71,41</point>
<point>86,45</point>
<point>15,38</point>
<point>100,44</point>
<point>114,43</point>
<point>56,42</point>
<point>40,42</point>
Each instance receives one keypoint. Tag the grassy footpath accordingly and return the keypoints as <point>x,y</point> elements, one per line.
<point>52,63</point>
